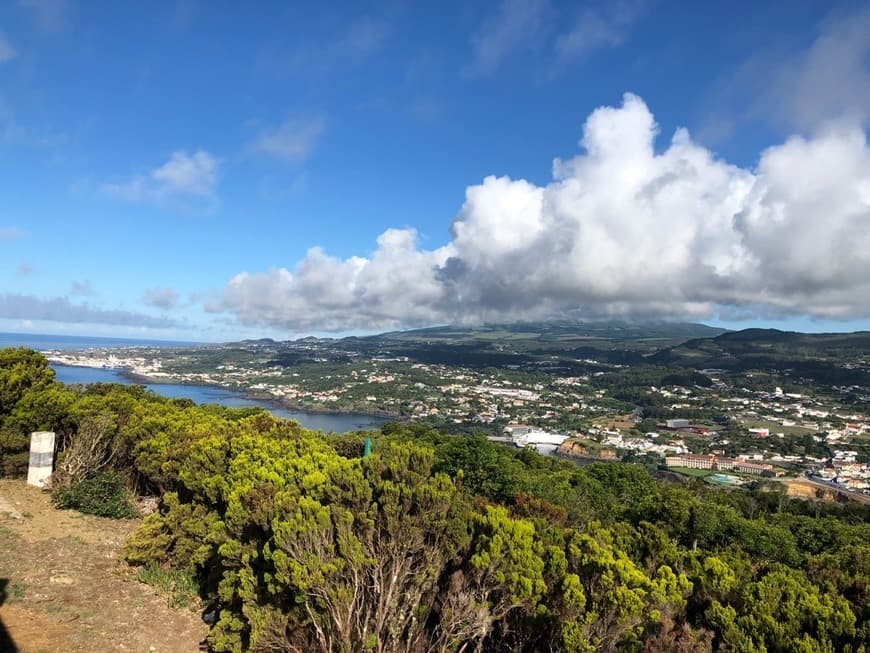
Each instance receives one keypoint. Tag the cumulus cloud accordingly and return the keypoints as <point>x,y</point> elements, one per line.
<point>16,306</point>
<point>397,285</point>
<point>599,28</point>
<point>293,140</point>
<point>622,230</point>
<point>186,180</point>
<point>7,52</point>
<point>512,26</point>
<point>164,298</point>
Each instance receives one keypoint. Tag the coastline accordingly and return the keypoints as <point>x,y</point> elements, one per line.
<point>254,396</point>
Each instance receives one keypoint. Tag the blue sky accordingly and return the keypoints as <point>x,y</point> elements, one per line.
<point>168,167</point>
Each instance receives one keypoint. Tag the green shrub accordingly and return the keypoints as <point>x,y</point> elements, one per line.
<point>179,587</point>
<point>103,494</point>
<point>14,454</point>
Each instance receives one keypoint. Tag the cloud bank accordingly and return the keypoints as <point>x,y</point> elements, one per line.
<point>164,298</point>
<point>622,230</point>
<point>17,306</point>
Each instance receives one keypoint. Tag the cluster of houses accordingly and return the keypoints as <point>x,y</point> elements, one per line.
<point>713,462</point>
<point>846,472</point>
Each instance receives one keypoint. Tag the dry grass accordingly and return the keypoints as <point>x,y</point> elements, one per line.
<point>68,588</point>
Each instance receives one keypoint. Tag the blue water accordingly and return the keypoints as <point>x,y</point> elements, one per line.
<point>331,423</point>
<point>43,342</point>
<point>723,479</point>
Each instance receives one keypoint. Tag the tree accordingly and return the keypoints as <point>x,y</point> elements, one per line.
<point>21,370</point>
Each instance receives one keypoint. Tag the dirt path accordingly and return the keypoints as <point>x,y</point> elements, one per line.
<point>65,587</point>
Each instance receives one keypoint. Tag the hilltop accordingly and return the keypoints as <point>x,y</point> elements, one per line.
<point>826,357</point>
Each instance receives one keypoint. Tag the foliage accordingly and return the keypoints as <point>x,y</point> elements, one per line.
<point>103,494</point>
<point>179,587</point>
<point>14,456</point>
<point>21,371</point>
<point>437,542</point>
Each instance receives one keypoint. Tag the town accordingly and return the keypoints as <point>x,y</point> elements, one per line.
<point>697,422</point>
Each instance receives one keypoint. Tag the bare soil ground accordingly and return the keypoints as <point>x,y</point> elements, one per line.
<point>807,489</point>
<point>65,586</point>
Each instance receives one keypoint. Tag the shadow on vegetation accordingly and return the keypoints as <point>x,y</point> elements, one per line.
<point>6,643</point>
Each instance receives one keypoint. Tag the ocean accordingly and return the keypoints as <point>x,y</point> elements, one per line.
<point>43,342</point>
<point>205,394</point>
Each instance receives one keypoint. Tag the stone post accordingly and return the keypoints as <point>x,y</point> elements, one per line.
<point>41,458</point>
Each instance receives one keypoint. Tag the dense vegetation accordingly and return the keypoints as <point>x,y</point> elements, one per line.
<point>821,358</point>
<point>445,543</point>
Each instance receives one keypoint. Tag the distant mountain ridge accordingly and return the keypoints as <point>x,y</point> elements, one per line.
<point>613,341</point>
<point>611,330</point>
<point>833,358</point>
<point>768,343</point>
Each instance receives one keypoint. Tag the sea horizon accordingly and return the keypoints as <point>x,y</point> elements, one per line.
<point>58,342</point>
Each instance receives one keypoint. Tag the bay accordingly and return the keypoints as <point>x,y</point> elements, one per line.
<point>328,422</point>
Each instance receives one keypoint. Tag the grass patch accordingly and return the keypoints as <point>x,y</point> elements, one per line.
<point>16,591</point>
<point>775,427</point>
<point>688,471</point>
<point>179,587</point>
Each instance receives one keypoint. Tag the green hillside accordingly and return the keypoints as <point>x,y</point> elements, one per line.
<point>838,358</point>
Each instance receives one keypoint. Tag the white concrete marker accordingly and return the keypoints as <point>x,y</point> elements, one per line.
<point>41,458</point>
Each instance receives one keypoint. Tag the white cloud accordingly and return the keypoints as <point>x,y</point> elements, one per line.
<point>164,298</point>
<point>599,28</point>
<point>192,174</point>
<point>293,140</point>
<point>621,230</point>
<point>395,286</point>
<point>513,26</point>
<point>187,181</point>
<point>7,52</point>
